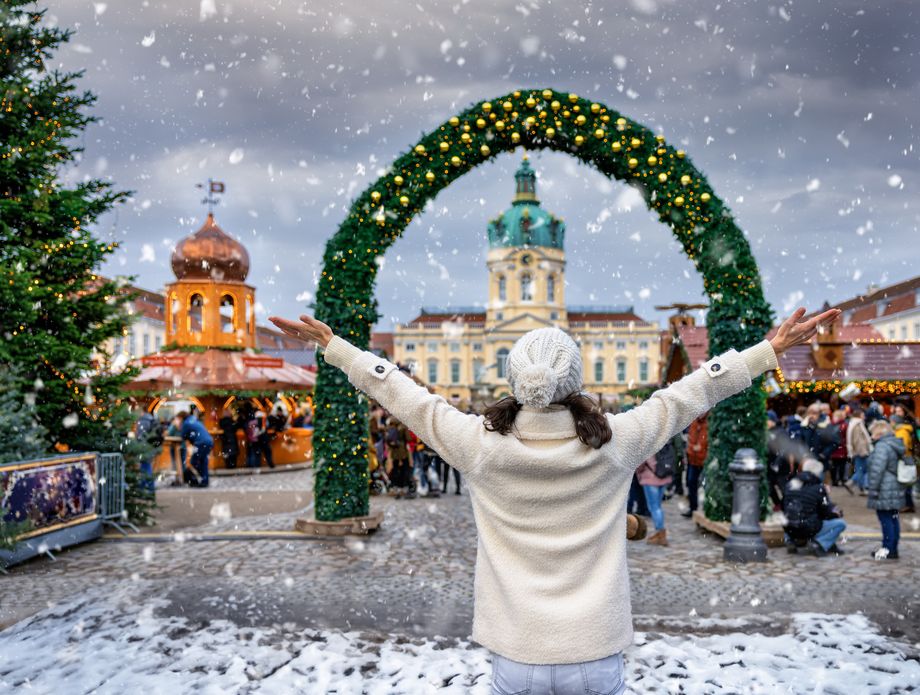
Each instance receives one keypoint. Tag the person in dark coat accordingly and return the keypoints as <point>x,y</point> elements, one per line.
<point>886,494</point>
<point>811,518</point>
<point>229,447</point>
<point>194,431</point>
<point>780,459</point>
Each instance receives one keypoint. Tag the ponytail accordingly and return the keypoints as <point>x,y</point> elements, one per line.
<point>591,425</point>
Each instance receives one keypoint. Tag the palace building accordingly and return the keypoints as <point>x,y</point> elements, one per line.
<point>462,351</point>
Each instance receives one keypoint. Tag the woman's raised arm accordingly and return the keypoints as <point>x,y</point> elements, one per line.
<point>436,422</point>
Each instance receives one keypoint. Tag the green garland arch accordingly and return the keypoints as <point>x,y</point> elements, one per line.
<point>618,148</point>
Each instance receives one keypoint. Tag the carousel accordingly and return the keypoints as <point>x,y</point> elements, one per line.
<point>211,359</point>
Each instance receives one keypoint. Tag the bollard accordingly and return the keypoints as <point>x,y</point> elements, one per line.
<point>745,543</point>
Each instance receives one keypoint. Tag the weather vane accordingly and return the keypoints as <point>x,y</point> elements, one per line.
<point>212,188</point>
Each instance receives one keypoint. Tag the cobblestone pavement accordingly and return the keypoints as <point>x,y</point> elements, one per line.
<point>414,576</point>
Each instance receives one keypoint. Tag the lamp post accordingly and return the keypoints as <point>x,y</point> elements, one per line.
<point>745,544</point>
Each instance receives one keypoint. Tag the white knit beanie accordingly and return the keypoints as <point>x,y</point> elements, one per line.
<point>544,366</point>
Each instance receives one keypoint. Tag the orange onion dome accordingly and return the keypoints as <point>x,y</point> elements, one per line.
<point>210,254</point>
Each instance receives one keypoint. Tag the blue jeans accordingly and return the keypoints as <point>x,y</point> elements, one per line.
<point>860,471</point>
<point>146,482</point>
<point>200,463</point>
<point>694,473</point>
<point>830,531</point>
<point>891,529</point>
<point>589,677</point>
<point>653,495</point>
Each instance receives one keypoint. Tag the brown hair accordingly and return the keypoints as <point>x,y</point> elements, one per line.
<point>591,425</point>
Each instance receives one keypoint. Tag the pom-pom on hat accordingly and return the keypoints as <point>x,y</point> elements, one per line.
<point>544,366</point>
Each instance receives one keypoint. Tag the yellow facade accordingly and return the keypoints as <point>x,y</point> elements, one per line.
<point>461,352</point>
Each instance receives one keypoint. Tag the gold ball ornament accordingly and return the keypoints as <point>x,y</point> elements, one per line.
<point>499,125</point>
<point>633,162</point>
<point>420,149</point>
<point>652,160</point>
<point>550,132</point>
<point>429,176</point>
<point>555,106</point>
<point>455,160</point>
<point>705,197</point>
<point>566,113</point>
<point>403,200</point>
<point>515,137</point>
<point>485,150</point>
<point>487,107</point>
<point>480,122</point>
<point>681,154</point>
<point>580,119</point>
<point>573,98</point>
<point>635,142</point>
<point>599,133</point>
<point>579,140</point>
<point>679,201</point>
<point>621,121</point>
<point>454,121</point>
<point>531,102</point>
<point>595,108</point>
<point>529,122</point>
<point>444,147</point>
<point>466,128</point>
<point>516,93</point>
<point>616,146</point>
<point>375,196</point>
<point>508,106</point>
<point>398,180</point>
<point>685,180</point>
<point>606,118</point>
<point>465,137</point>
<point>659,138</point>
<point>662,177</point>
<point>547,93</point>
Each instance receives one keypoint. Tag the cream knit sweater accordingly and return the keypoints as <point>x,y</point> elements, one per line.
<point>551,585</point>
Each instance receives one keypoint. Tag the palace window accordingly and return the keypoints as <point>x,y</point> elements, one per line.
<point>621,371</point>
<point>432,371</point>
<point>132,344</point>
<point>551,288</point>
<point>502,356</point>
<point>643,345</point>
<point>621,345</point>
<point>526,288</point>
<point>455,371</point>
<point>643,371</point>
<point>146,343</point>
<point>502,288</point>
<point>432,347</point>
<point>477,347</point>
<point>599,371</point>
<point>410,347</point>
<point>479,371</point>
<point>157,343</point>
<point>455,347</point>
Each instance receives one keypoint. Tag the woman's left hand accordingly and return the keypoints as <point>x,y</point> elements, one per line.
<point>794,331</point>
<point>308,328</point>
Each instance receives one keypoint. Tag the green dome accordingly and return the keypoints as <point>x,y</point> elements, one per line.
<point>525,223</point>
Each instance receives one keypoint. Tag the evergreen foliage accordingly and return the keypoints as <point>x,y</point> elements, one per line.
<point>56,310</point>
<point>21,435</point>
<point>596,135</point>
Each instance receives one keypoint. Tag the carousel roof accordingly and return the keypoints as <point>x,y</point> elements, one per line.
<point>217,370</point>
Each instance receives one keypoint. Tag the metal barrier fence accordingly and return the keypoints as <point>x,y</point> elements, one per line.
<point>111,472</point>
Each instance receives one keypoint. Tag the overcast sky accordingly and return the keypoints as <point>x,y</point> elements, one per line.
<point>803,116</point>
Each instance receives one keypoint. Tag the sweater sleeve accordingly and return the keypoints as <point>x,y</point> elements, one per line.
<point>454,435</point>
<point>642,431</point>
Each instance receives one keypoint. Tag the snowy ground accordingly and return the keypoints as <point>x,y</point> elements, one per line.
<point>118,645</point>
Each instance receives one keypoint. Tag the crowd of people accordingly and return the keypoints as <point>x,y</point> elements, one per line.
<point>865,448</point>
<point>405,466</point>
<point>190,443</point>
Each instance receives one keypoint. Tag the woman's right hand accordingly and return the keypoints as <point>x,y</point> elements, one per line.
<point>794,331</point>
<point>308,328</point>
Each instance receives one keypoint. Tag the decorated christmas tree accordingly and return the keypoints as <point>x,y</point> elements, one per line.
<point>56,310</point>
